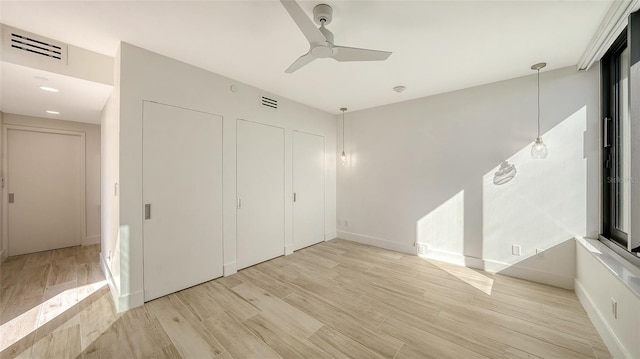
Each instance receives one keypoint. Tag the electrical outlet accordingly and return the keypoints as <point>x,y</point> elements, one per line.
<point>421,248</point>
<point>516,250</point>
<point>614,308</point>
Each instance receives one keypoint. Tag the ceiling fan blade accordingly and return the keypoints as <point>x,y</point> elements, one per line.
<point>343,53</point>
<point>301,61</point>
<point>306,25</point>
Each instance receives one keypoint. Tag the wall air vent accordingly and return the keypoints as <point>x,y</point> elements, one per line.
<point>38,46</point>
<point>269,102</point>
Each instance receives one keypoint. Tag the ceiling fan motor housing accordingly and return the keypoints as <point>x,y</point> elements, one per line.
<point>322,14</point>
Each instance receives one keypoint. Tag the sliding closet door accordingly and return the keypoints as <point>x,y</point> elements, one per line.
<point>260,191</point>
<point>182,198</point>
<point>308,186</point>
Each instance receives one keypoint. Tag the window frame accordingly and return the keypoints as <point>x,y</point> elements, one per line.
<point>610,91</point>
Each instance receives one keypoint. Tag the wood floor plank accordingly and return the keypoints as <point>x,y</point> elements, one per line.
<point>339,345</point>
<point>230,301</point>
<point>62,344</point>
<point>427,342</point>
<point>167,352</point>
<point>384,345</point>
<point>478,328</point>
<point>272,306</point>
<point>184,329</point>
<point>409,352</point>
<point>237,339</point>
<point>199,302</point>
<point>258,277</point>
<point>144,332</point>
<point>282,341</point>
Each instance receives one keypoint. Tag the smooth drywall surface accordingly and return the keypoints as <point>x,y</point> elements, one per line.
<point>602,278</point>
<point>110,122</point>
<point>422,171</point>
<point>145,75</point>
<point>92,165</point>
<point>3,252</point>
<point>80,63</point>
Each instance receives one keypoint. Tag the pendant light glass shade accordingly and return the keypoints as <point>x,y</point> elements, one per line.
<point>539,149</point>
<point>343,158</point>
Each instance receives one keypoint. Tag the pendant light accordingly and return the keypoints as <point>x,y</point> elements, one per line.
<point>343,156</point>
<point>539,149</point>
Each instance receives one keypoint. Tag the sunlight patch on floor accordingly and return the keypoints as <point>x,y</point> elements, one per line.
<point>474,278</point>
<point>28,322</point>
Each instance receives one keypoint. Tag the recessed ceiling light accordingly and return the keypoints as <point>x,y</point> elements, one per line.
<point>50,89</point>
<point>399,89</point>
<point>53,112</point>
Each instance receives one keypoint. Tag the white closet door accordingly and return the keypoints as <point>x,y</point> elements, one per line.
<point>308,186</point>
<point>260,191</point>
<point>46,190</point>
<point>182,198</point>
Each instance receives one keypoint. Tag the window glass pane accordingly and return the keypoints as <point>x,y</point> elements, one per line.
<point>622,149</point>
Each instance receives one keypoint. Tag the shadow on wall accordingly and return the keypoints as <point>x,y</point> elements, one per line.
<point>528,224</point>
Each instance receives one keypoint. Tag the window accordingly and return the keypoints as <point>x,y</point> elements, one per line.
<point>615,153</point>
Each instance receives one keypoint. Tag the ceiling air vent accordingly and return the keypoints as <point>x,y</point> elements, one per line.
<point>37,46</point>
<point>269,102</point>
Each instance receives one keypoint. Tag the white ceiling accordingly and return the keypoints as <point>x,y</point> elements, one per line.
<point>77,100</point>
<point>438,46</point>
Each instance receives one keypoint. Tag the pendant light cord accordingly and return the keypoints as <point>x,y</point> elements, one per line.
<point>538,103</point>
<point>343,131</point>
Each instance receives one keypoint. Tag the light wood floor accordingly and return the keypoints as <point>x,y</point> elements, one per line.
<point>337,299</point>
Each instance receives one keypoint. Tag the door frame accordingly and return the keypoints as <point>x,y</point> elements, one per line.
<point>5,189</point>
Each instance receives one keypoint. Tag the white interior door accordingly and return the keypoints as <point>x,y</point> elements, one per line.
<point>182,197</point>
<point>45,187</point>
<point>308,186</point>
<point>260,190</point>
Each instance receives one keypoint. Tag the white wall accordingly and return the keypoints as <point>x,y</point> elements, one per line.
<point>422,171</point>
<point>92,165</point>
<point>80,63</point>
<point>603,276</point>
<point>149,76</point>
<point>110,124</point>
<point>3,252</point>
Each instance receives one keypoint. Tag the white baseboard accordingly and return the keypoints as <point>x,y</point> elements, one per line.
<point>610,340</point>
<point>122,302</point>
<point>529,274</point>
<point>113,288</point>
<point>229,269</point>
<point>130,301</point>
<point>92,240</point>
<point>288,249</point>
<point>443,256</point>
<point>495,267</point>
<point>331,235</point>
<point>378,242</point>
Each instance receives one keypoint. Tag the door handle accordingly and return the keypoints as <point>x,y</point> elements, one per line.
<point>11,198</point>
<point>147,211</point>
<point>605,140</point>
<point>239,202</point>
<point>295,197</point>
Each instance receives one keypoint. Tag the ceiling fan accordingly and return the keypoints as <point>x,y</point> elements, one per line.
<point>321,39</point>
